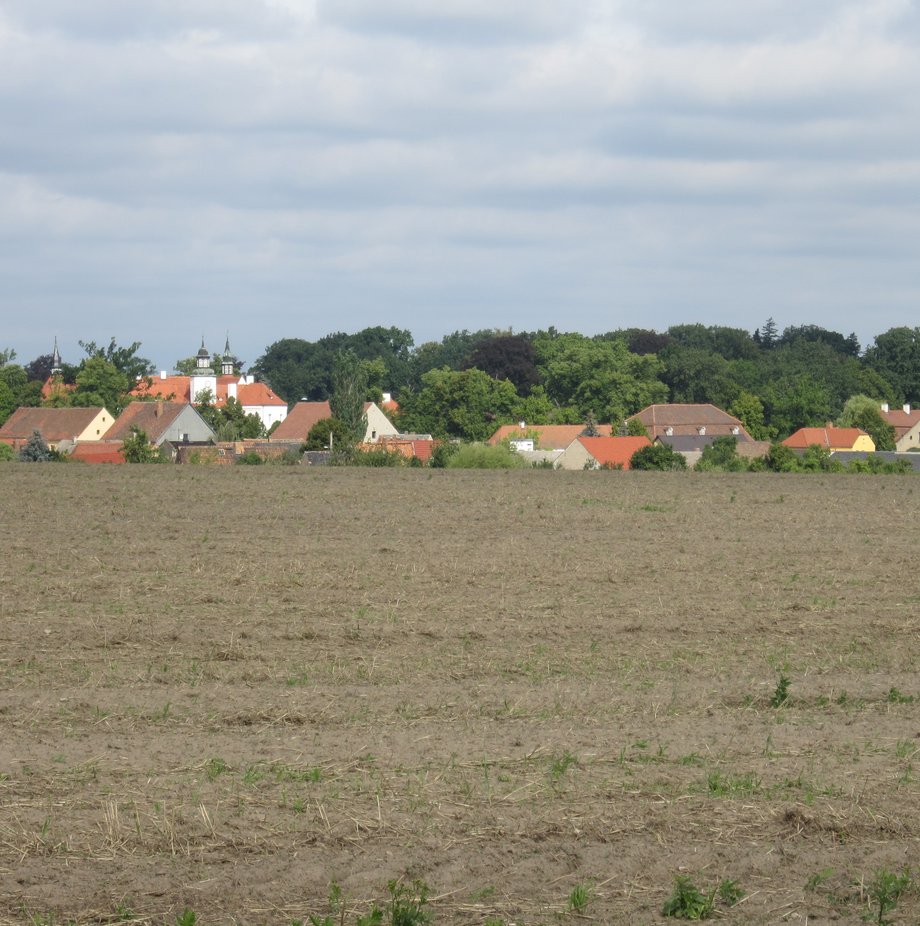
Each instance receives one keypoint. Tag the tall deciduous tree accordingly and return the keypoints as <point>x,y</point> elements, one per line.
<point>896,356</point>
<point>349,388</point>
<point>860,411</point>
<point>100,382</point>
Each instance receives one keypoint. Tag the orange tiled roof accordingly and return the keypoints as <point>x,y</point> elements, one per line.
<point>685,419</point>
<point>153,418</point>
<point>901,420</point>
<point>55,424</point>
<point>546,436</point>
<point>54,385</point>
<point>300,419</point>
<point>613,451</point>
<point>258,394</point>
<point>829,437</point>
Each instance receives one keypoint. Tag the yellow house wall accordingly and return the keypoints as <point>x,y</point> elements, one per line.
<point>97,427</point>
<point>863,442</point>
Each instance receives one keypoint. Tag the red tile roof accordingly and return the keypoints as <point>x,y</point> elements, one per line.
<point>55,424</point>
<point>172,389</point>
<point>613,451</point>
<point>300,419</point>
<point>688,419</point>
<point>408,447</point>
<point>545,436</point>
<point>99,452</point>
<point>54,385</point>
<point>901,420</point>
<point>829,437</point>
<point>258,394</point>
<point>153,418</point>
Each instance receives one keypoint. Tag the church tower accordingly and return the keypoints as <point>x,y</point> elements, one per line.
<point>203,379</point>
<point>57,366</point>
<point>226,364</point>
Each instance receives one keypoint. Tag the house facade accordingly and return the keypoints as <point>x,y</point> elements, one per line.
<point>830,438</point>
<point>679,420</point>
<point>175,422</point>
<point>301,418</point>
<point>906,424</point>
<point>60,428</point>
<point>532,437</point>
<point>600,452</point>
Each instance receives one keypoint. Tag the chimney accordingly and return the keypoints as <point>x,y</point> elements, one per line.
<point>907,408</point>
<point>702,430</point>
<point>231,390</point>
<point>158,411</point>
<point>522,425</point>
<point>387,397</point>
<point>162,374</point>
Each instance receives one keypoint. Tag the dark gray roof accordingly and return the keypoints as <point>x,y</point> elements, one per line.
<point>889,456</point>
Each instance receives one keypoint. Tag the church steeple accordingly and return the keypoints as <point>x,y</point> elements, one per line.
<point>203,359</point>
<point>226,363</point>
<point>57,367</point>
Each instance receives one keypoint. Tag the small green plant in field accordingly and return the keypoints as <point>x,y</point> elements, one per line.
<point>687,902</point>
<point>580,897</point>
<point>816,880</point>
<point>300,680</point>
<point>884,891</point>
<point>186,918</point>
<point>781,693</point>
<point>560,765</point>
<point>215,768</point>
<point>407,903</point>
<point>721,785</point>
<point>897,697</point>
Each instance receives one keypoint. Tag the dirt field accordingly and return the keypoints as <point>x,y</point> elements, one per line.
<point>222,690</point>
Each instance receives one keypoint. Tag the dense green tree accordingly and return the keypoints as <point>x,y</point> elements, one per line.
<point>136,448</point>
<point>349,389</point>
<point>728,343</point>
<point>797,402</point>
<point>748,409</point>
<point>657,457</point>
<point>721,456</point>
<point>767,335</point>
<point>467,404</point>
<point>895,356</point>
<point>100,382</point>
<point>698,376</point>
<point>596,376</point>
<point>125,359</point>
<point>6,453</point>
<point>860,411</point>
<point>324,430</point>
<point>451,351</point>
<point>848,346</point>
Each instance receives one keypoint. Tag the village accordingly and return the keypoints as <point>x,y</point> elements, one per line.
<point>165,413</point>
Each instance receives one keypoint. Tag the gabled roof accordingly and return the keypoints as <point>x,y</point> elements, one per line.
<point>545,436</point>
<point>170,388</point>
<point>902,421</point>
<point>688,419</point>
<point>613,451</point>
<point>829,437</point>
<point>55,424</point>
<point>153,418</point>
<point>258,394</point>
<point>300,419</point>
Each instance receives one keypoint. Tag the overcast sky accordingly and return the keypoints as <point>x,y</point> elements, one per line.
<point>288,168</point>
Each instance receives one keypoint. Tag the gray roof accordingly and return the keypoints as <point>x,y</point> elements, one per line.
<point>889,456</point>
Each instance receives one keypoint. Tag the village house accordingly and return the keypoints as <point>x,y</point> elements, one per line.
<point>694,421</point>
<point>906,424</point>
<point>175,422</point>
<point>830,438</point>
<point>301,418</point>
<point>255,398</point>
<point>61,428</point>
<point>600,452</point>
<point>534,437</point>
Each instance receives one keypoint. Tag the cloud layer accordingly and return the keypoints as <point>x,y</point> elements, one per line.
<point>288,168</point>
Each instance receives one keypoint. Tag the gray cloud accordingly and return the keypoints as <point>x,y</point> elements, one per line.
<point>287,168</point>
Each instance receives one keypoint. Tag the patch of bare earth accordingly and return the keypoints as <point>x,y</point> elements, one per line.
<point>223,690</point>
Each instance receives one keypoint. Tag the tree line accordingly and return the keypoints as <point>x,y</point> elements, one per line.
<point>469,382</point>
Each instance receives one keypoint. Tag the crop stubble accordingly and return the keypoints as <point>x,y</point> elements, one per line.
<point>223,689</point>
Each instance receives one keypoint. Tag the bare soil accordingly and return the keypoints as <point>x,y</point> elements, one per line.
<point>223,689</point>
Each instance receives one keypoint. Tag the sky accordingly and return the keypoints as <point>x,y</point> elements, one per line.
<point>172,169</point>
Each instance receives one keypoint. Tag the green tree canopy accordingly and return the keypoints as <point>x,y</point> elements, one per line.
<point>467,404</point>
<point>100,382</point>
<point>657,456</point>
<point>349,388</point>
<point>862,412</point>
<point>135,448</point>
<point>895,356</point>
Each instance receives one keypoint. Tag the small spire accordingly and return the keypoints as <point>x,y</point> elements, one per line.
<point>227,345</point>
<point>56,365</point>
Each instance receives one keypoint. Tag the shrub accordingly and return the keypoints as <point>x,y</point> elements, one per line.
<point>657,457</point>
<point>318,438</point>
<point>484,456</point>
<point>721,456</point>
<point>6,453</point>
<point>249,458</point>
<point>442,453</point>
<point>36,450</point>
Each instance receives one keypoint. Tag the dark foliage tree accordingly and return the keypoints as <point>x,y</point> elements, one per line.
<point>507,356</point>
<point>101,383</point>
<point>848,346</point>
<point>36,450</point>
<point>136,448</point>
<point>327,434</point>
<point>125,359</point>
<point>721,456</point>
<point>895,355</point>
